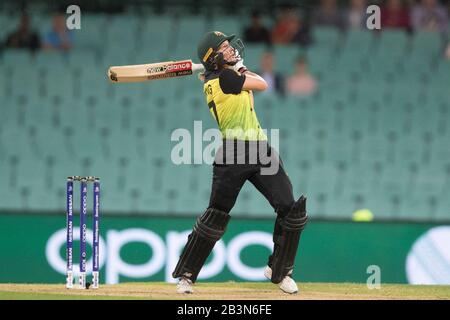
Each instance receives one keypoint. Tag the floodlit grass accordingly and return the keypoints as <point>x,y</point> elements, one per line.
<point>222,291</point>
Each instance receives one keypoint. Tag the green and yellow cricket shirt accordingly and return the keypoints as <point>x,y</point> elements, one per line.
<point>232,107</point>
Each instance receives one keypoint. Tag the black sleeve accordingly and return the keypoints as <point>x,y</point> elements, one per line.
<point>231,81</point>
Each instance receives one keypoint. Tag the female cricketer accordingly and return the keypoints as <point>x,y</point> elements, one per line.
<point>244,155</point>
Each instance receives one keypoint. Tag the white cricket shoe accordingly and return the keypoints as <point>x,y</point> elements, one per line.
<point>287,285</point>
<point>184,286</point>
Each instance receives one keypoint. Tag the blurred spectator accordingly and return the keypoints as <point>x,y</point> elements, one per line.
<point>429,15</point>
<point>301,83</point>
<point>274,80</point>
<point>286,27</point>
<point>290,29</point>
<point>257,32</point>
<point>394,15</point>
<point>23,37</point>
<point>447,52</point>
<point>356,14</point>
<point>328,15</point>
<point>59,38</point>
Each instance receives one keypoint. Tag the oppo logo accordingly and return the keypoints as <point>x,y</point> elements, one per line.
<point>165,254</point>
<point>84,203</point>
<point>84,232</point>
<point>428,261</point>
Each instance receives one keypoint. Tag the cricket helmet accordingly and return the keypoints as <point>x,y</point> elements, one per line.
<point>208,46</point>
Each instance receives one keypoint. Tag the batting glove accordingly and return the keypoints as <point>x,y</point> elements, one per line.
<point>239,66</point>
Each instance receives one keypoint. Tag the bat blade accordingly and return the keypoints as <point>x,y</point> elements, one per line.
<point>153,71</point>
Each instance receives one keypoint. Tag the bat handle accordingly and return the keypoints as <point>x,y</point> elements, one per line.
<point>197,67</point>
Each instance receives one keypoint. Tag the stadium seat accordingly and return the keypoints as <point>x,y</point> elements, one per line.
<point>326,37</point>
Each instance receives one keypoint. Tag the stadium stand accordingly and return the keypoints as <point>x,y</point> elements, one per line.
<point>376,134</point>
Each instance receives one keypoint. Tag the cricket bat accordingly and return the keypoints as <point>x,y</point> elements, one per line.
<point>153,71</point>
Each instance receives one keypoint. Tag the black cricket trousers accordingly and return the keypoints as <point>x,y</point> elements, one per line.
<point>230,176</point>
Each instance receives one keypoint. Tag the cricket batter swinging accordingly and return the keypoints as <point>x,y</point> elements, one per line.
<point>228,87</point>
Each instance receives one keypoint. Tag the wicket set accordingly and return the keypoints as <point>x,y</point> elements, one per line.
<point>83,231</point>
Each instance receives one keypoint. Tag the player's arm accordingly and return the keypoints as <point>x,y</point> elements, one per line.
<point>254,82</point>
<point>233,82</point>
<point>248,72</point>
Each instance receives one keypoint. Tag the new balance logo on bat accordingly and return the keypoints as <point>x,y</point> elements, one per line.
<point>171,67</point>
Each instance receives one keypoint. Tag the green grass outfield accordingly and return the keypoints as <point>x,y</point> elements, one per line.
<point>223,291</point>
